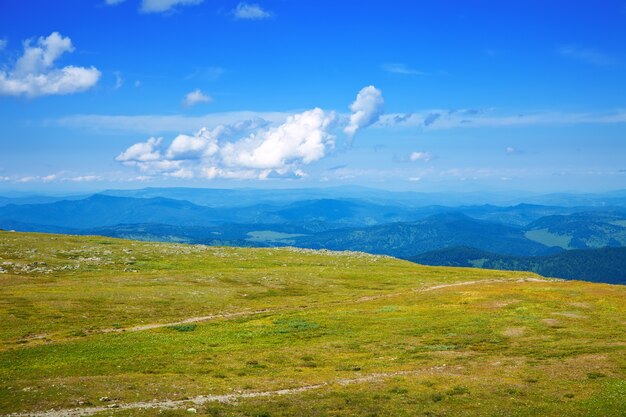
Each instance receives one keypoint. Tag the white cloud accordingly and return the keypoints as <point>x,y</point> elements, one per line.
<point>587,55</point>
<point>302,138</point>
<point>3,43</point>
<point>202,144</point>
<point>34,73</point>
<point>114,2</point>
<point>195,97</point>
<point>182,173</point>
<point>420,156</point>
<point>248,11</point>
<point>396,68</point>
<point>280,151</point>
<point>366,110</point>
<point>142,152</point>
<point>159,6</point>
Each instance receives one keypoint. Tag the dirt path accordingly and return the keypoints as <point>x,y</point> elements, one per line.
<point>231,398</point>
<point>455,284</point>
<point>189,320</point>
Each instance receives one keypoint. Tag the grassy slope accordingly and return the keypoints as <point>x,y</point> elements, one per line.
<point>494,347</point>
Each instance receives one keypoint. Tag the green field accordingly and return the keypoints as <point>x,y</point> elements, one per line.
<point>101,326</point>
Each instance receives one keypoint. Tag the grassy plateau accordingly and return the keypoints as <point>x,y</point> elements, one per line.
<point>108,327</point>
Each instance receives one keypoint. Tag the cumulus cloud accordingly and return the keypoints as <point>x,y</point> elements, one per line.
<point>247,11</point>
<point>195,97</point>
<point>420,156</point>
<point>160,6</point>
<point>202,144</point>
<point>303,137</point>
<point>228,152</point>
<point>34,73</point>
<point>366,110</point>
<point>142,152</point>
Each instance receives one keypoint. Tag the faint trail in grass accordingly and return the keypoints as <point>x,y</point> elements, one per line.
<point>454,284</point>
<point>189,320</point>
<point>232,398</point>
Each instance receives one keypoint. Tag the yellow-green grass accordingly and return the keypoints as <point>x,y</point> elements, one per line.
<point>371,335</point>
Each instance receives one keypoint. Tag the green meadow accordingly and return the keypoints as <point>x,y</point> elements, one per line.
<point>109,327</point>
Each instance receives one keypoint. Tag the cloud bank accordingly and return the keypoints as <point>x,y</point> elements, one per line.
<point>34,73</point>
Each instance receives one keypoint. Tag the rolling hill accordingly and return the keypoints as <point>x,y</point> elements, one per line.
<point>100,326</point>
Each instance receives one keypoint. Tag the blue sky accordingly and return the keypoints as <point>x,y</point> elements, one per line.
<point>450,95</point>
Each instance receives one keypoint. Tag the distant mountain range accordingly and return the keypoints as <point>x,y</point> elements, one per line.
<point>437,231</point>
<point>242,197</point>
<point>385,223</point>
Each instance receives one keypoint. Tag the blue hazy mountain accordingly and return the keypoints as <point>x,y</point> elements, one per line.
<point>100,210</point>
<point>438,231</point>
<point>216,197</point>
